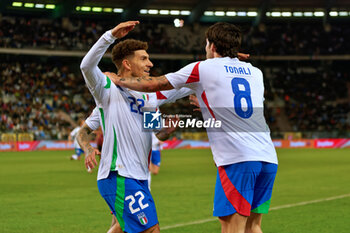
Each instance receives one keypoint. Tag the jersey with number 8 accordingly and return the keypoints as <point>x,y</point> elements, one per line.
<point>233,92</point>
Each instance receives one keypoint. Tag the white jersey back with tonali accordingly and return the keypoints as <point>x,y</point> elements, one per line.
<point>232,92</point>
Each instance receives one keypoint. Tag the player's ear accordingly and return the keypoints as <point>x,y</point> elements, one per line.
<point>212,47</point>
<point>126,64</point>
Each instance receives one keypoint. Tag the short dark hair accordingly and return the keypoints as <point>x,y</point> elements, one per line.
<point>226,37</point>
<point>126,48</point>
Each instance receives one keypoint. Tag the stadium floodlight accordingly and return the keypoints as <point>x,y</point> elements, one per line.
<point>175,12</point>
<point>209,13</point>
<point>85,8</point>
<point>153,12</point>
<point>252,13</point>
<point>308,14</point>
<point>343,13</point>
<point>219,13</point>
<point>241,13</point>
<point>178,23</point>
<point>164,12</point>
<point>286,14</point>
<point>120,10</point>
<point>107,9</point>
<point>231,13</point>
<point>50,6</point>
<point>297,14</point>
<point>29,5</point>
<point>143,11</point>
<point>333,13</point>
<point>185,12</point>
<point>97,9</point>
<point>319,13</point>
<point>276,14</point>
<point>17,4</point>
<point>39,5</point>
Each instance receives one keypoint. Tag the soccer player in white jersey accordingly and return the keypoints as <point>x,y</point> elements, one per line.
<point>230,91</point>
<point>72,137</point>
<point>123,169</point>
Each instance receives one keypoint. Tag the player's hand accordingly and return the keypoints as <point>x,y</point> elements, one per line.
<point>165,132</point>
<point>194,101</point>
<point>172,128</point>
<point>124,28</point>
<point>113,77</point>
<point>90,159</point>
<point>243,56</point>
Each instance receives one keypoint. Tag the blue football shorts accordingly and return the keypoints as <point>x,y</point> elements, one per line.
<point>155,157</point>
<point>130,201</point>
<point>244,188</point>
<point>78,151</point>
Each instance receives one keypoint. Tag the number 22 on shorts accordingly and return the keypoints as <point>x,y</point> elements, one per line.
<point>132,202</point>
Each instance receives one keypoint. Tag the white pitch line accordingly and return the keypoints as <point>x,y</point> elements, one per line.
<point>271,209</point>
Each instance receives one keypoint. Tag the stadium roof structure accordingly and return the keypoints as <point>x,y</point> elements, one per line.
<point>192,11</point>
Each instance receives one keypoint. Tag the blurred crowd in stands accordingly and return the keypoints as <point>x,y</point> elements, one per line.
<point>314,96</point>
<point>42,99</point>
<point>46,97</point>
<point>277,38</point>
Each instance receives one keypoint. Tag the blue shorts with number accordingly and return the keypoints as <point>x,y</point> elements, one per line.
<point>78,151</point>
<point>244,188</point>
<point>155,158</point>
<point>130,201</point>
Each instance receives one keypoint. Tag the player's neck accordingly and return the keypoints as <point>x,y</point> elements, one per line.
<point>216,55</point>
<point>124,73</point>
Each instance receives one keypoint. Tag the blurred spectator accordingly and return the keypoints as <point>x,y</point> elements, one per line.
<point>275,38</point>
<point>39,96</point>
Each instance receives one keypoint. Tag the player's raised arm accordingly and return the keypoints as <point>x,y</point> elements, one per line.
<point>93,76</point>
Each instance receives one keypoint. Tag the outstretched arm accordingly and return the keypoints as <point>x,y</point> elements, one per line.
<point>83,137</point>
<point>144,84</point>
<point>160,83</point>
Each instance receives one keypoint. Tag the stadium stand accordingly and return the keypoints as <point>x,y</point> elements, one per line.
<point>39,93</point>
<point>276,38</point>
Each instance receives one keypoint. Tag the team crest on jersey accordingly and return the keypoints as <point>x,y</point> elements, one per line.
<point>142,218</point>
<point>152,120</point>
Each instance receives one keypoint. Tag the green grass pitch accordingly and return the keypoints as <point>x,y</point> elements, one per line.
<point>44,191</point>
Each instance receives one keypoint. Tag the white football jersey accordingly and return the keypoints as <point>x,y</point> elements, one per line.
<point>73,134</point>
<point>230,91</point>
<point>93,121</point>
<point>126,145</point>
